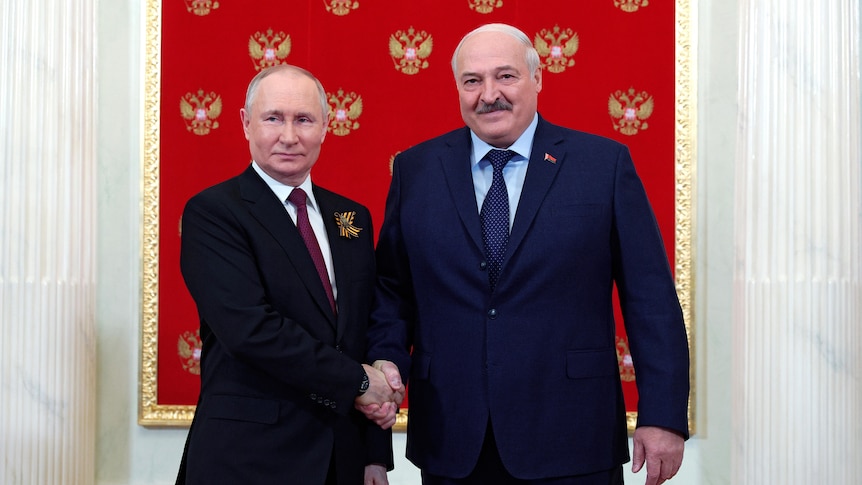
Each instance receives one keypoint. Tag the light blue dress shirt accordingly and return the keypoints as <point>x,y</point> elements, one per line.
<point>513,173</point>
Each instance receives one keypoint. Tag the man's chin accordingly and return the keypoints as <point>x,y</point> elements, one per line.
<point>492,131</point>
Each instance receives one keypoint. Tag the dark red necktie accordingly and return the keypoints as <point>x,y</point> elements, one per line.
<point>298,198</point>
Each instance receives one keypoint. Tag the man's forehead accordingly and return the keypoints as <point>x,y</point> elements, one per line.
<point>287,94</point>
<point>490,40</point>
<point>502,49</point>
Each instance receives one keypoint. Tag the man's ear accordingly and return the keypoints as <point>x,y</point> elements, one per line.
<point>245,119</point>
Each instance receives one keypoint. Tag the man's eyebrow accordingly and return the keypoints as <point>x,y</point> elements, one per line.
<point>496,70</point>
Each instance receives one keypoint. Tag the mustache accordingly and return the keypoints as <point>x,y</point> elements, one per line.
<point>497,105</point>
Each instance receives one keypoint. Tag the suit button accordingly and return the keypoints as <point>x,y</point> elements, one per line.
<point>313,397</point>
<point>326,402</point>
<point>492,313</point>
<point>332,405</point>
<point>338,348</point>
<point>483,265</point>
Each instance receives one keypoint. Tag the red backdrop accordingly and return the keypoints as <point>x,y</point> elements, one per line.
<point>609,69</point>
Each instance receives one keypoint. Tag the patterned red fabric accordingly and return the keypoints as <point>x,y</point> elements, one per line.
<point>608,69</point>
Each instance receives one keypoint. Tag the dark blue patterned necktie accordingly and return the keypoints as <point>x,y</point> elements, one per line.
<point>495,215</point>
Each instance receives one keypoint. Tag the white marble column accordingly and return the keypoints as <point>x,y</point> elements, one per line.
<point>47,242</point>
<point>797,378</point>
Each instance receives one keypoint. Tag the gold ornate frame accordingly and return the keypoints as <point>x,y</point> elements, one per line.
<point>151,413</point>
<point>685,154</point>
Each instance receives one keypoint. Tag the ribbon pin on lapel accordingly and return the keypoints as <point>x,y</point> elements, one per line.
<point>345,224</point>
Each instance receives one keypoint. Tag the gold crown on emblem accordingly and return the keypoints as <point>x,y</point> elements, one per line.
<point>340,7</point>
<point>200,111</point>
<point>629,110</point>
<point>630,5</point>
<point>200,7</point>
<point>484,6</point>
<point>269,49</point>
<point>556,48</point>
<point>344,109</point>
<point>409,58</point>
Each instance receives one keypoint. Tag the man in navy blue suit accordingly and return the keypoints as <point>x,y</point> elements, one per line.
<point>497,258</point>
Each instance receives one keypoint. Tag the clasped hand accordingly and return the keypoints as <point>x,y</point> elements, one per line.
<point>385,392</point>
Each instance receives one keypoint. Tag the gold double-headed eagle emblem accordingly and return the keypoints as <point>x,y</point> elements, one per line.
<point>344,110</point>
<point>189,351</point>
<point>201,7</point>
<point>410,50</point>
<point>629,110</point>
<point>200,111</point>
<point>268,49</point>
<point>630,5</point>
<point>484,6</point>
<point>556,47</point>
<point>340,7</point>
<point>624,360</point>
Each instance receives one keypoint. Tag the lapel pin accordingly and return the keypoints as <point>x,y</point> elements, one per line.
<point>550,158</point>
<point>345,224</point>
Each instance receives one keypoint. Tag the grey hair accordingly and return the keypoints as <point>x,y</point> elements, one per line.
<point>255,82</point>
<point>532,57</point>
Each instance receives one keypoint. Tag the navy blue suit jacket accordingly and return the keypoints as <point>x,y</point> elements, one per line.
<point>279,371</point>
<point>537,357</point>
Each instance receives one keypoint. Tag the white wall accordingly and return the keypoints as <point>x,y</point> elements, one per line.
<point>125,452</point>
<point>128,454</point>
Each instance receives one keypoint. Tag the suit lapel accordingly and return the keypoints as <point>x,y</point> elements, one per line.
<point>540,176</point>
<point>456,167</point>
<point>270,212</point>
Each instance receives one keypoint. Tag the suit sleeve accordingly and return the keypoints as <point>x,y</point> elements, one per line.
<point>651,309</point>
<point>225,279</point>
<point>390,329</point>
<point>378,444</point>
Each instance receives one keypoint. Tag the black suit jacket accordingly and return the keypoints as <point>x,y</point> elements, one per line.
<point>279,371</point>
<point>537,357</point>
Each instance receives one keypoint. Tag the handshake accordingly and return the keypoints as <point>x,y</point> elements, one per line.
<point>385,392</point>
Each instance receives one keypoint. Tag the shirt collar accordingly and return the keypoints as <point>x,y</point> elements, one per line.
<point>522,146</point>
<point>282,191</point>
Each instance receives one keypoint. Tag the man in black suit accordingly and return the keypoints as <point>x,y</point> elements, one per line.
<point>282,272</point>
<point>497,272</point>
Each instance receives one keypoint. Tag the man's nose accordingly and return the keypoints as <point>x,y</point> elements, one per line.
<point>490,92</point>
<point>288,134</point>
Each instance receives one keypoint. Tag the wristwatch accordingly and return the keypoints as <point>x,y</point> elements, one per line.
<point>365,383</point>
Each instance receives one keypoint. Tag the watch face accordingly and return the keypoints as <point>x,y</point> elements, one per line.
<point>365,383</point>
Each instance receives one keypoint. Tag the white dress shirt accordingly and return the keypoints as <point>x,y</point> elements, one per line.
<point>315,218</point>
